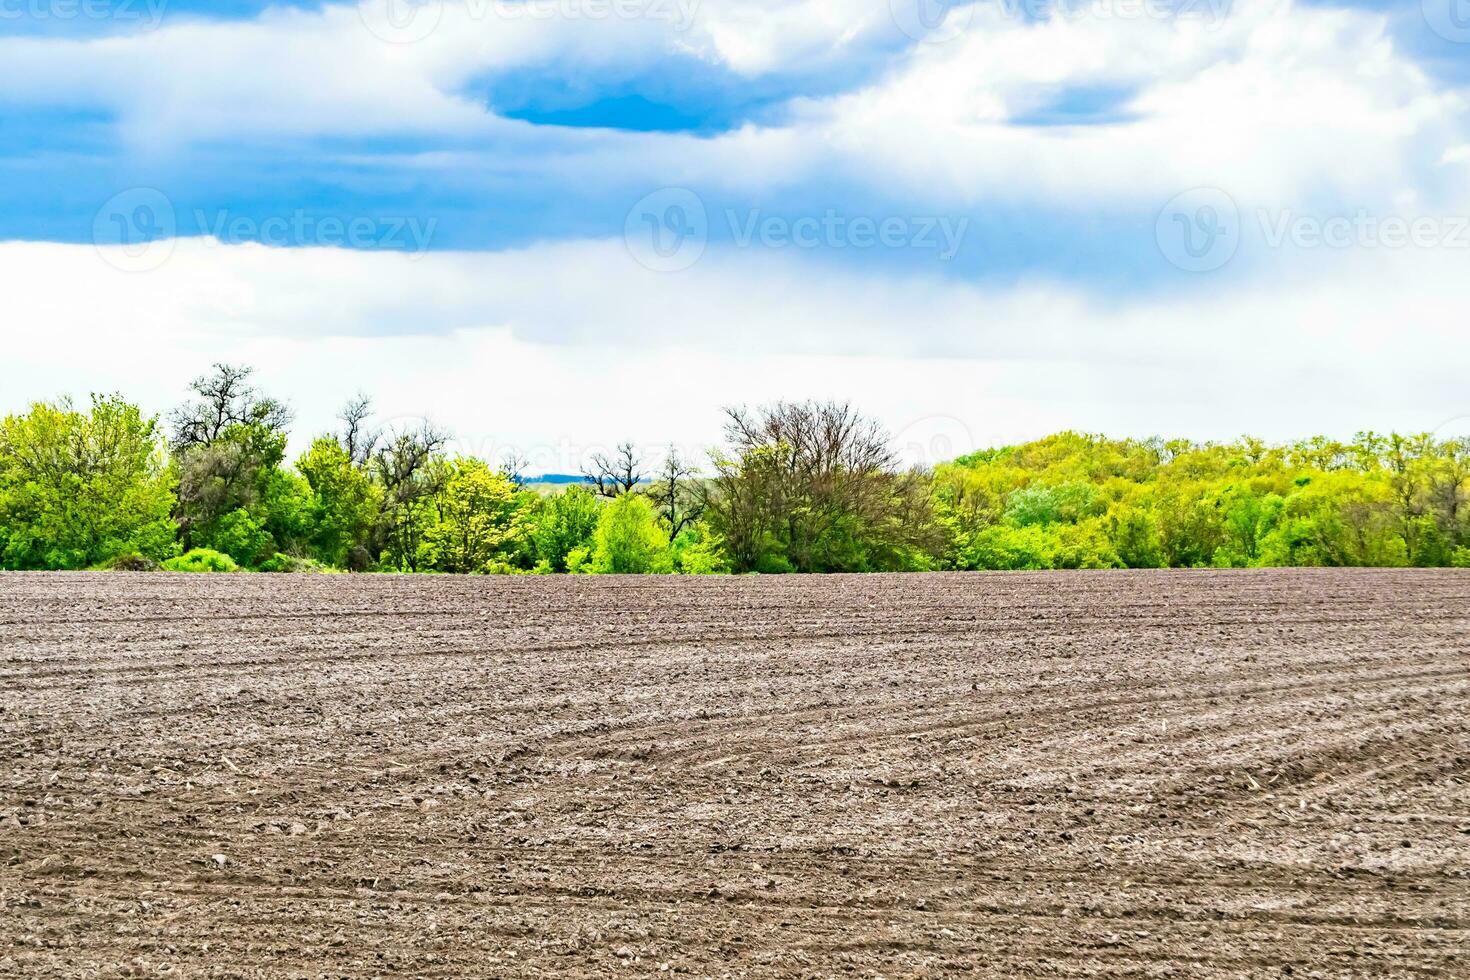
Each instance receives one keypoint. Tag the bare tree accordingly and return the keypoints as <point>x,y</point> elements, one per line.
<point>816,484</point>
<point>404,454</point>
<point>514,465</point>
<point>676,494</point>
<point>226,399</point>
<point>404,466</point>
<point>1450,489</point>
<point>222,441</point>
<point>616,475</point>
<point>356,437</point>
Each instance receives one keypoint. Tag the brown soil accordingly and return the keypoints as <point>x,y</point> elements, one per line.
<point>1187,774</point>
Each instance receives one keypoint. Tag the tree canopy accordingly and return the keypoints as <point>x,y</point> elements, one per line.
<point>796,487</point>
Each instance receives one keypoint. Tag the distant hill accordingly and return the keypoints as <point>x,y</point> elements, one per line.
<point>556,478</point>
<point>555,482</point>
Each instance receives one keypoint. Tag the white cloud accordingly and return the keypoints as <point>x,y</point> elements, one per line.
<point>1274,102</point>
<point>1286,107</point>
<point>345,70</point>
<point>517,348</point>
<point>1278,103</point>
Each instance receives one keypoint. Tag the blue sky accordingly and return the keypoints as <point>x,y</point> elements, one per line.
<point>891,187</point>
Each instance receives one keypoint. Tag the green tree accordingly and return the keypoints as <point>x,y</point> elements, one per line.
<point>345,502</point>
<point>629,540</point>
<point>288,511</point>
<point>563,522</point>
<point>228,446</point>
<point>1041,503</point>
<point>479,521</point>
<point>79,488</point>
<point>409,472</point>
<point>1134,534</point>
<point>814,487</point>
<point>699,551</point>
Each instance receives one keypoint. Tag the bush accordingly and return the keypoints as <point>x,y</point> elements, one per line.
<point>79,487</point>
<point>699,552</point>
<point>239,535</point>
<point>630,540</point>
<point>564,522</point>
<point>290,564</point>
<point>1001,547</point>
<point>201,560</point>
<point>130,562</point>
<point>579,561</point>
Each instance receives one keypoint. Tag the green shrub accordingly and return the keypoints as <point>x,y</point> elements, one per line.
<point>81,486</point>
<point>698,552</point>
<point>239,535</point>
<point>579,561</point>
<point>1008,548</point>
<point>629,540</point>
<point>290,564</point>
<point>130,562</point>
<point>201,560</point>
<point>564,522</point>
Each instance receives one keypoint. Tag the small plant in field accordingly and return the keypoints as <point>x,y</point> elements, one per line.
<point>201,560</point>
<point>280,562</point>
<point>130,562</point>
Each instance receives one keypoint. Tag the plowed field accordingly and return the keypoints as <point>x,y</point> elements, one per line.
<point>1162,773</point>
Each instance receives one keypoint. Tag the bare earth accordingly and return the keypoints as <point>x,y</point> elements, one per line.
<point>1170,774</point>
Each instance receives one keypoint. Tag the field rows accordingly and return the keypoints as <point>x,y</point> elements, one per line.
<point>1167,773</point>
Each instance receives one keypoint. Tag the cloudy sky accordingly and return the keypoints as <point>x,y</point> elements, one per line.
<point>554,224</point>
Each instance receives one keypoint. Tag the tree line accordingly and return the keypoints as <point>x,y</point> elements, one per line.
<point>795,487</point>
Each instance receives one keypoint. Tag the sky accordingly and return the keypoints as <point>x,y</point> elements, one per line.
<point>553,225</point>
